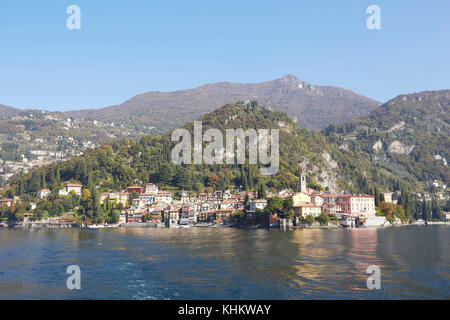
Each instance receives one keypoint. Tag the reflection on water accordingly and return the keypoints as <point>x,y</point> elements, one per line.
<point>216,263</point>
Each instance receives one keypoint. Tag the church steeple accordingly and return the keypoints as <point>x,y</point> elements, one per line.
<point>302,181</point>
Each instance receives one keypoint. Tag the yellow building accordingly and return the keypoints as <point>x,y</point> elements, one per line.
<point>300,197</point>
<point>304,209</point>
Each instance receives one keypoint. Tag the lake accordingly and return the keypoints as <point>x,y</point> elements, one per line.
<point>226,263</point>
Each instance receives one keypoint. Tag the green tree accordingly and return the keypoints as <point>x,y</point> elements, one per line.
<point>436,210</point>
<point>323,219</point>
<point>166,174</point>
<point>309,220</point>
<point>274,205</point>
<point>262,193</point>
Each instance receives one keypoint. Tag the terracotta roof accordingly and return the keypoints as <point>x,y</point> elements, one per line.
<point>306,204</point>
<point>73,185</point>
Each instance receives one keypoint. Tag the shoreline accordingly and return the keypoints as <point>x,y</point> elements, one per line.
<point>250,227</point>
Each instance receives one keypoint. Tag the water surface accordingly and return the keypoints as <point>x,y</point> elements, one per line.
<point>226,263</point>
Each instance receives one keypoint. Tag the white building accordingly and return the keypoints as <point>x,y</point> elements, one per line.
<point>257,204</point>
<point>71,187</point>
<point>162,196</point>
<point>151,188</point>
<point>317,199</point>
<point>357,204</point>
<point>147,198</point>
<point>43,193</point>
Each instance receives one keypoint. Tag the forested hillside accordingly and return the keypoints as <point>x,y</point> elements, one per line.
<point>122,163</point>
<point>408,136</point>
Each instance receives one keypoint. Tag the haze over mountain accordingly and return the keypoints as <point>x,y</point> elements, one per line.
<point>314,107</point>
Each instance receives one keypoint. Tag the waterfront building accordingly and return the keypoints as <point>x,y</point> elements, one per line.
<point>224,215</point>
<point>304,209</point>
<point>257,204</point>
<point>123,216</point>
<point>172,216</point>
<point>357,204</point>
<point>206,216</point>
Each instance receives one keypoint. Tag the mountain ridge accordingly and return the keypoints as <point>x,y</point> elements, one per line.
<point>315,107</point>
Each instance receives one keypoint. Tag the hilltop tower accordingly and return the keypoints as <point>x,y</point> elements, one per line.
<point>302,181</point>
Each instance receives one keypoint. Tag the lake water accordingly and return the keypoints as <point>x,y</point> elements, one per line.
<point>226,263</point>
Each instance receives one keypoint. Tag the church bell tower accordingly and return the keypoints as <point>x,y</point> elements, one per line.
<point>302,181</point>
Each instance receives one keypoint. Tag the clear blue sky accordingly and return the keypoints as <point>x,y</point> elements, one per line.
<point>129,47</point>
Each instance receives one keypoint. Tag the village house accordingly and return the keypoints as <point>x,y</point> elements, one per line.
<point>69,188</point>
<point>163,196</point>
<point>226,205</point>
<point>224,215</point>
<point>118,198</point>
<point>103,197</point>
<point>43,193</point>
<point>257,204</point>
<point>172,216</point>
<point>317,199</point>
<point>123,198</point>
<point>300,197</point>
<point>123,216</point>
<point>138,189</point>
<point>206,216</point>
<point>6,202</point>
<point>207,206</point>
<point>184,197</point>
<point>137,204</point>
<point>387,197</point>
<point>331,208</point>
<point>147,198</point>
<point>329,197</point>
<point>151,188</point>
<point>304,209</point>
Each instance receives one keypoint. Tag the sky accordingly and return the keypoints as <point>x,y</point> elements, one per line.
<point>129,47</point>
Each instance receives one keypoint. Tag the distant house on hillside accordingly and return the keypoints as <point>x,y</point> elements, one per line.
<point>69,188</point>
<point>151,188</point>
<point>138,189</point>
<point>43,193</point>
<point>6,202</point>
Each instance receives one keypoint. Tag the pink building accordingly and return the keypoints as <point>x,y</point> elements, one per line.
<point>357,204</point>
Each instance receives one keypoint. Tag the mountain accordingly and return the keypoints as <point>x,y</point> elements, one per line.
<point>6,111</point>
<point>125,162</point>
<point>313,107</point>
<point>408,136</point>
